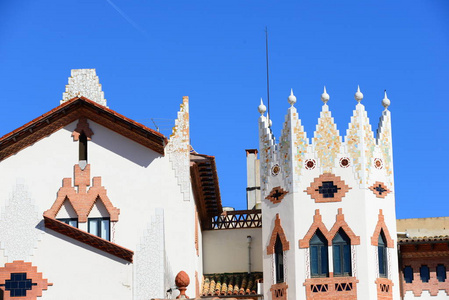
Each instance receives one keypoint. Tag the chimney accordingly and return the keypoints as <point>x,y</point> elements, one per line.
<point>253,179</point>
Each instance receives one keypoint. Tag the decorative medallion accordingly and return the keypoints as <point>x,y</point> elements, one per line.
<point>21,279</point>
<point>276,195</point>
<point>310,164</point>
<point>275,170</point>
<point>379,189</point>
<point>378,163</point>
<point>344,162</point>
<point>327,188</point>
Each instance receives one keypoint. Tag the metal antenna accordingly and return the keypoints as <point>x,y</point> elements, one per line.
<point>157,128</point>
<point>268,78</point>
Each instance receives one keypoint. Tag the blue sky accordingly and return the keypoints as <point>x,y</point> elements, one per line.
<point>148,54</point>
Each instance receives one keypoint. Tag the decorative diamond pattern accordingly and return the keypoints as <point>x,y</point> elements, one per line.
<point>379,189</point>
<point>327,188</point>
<point>276,195</point>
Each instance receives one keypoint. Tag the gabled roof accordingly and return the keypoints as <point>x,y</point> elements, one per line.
<point>206,190</point>
<point>72,110</point>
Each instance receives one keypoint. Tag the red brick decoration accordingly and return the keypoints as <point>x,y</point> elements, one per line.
<point>329,235</point>
<point>314,189</point>
<point>341,223</point>
<point>380,189</point>
<point>182,281</point>
<point>277,230</point>
<point>381,226</point>
<point>276,195</point>
<point>82,126</point>
<point>196,233</point>
<point>83,200</point>
<point>331,288</point>
<point>279,291</point>
<point>384,289</point>
<point>19,266</point>
<point>317,224</point>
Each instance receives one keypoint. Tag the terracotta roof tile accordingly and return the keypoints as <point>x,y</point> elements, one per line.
<point>224,284</point>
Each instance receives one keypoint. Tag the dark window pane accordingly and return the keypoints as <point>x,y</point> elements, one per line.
<point>279,260</point>
<point>314,260</point>
<point>347,259</point>
<point>337,259</point>
<point>408,274</point>
<point>382,254</point>
<point>82,146</point>
<point>424,273</point>
<point>324,261</point>
<point>441,273</point>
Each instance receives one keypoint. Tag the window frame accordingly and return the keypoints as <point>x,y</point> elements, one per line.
<point>279,260</point>
<point>99,226</point>
<point>345,260</point>
<point>382,255</point>
<point>321,247</point>
<point>68,221</point>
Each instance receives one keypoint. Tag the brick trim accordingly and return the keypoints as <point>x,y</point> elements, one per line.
<point>279,291</point>
<point>384,289</point>
<point>278,190</point>
<point>341,223</point>
<point>377,193</point>
<point>317,224</point>
<point>277,230</point>
<point>341,288</point>
<point>19,266</point>
<point>82,126</point>
<point>381,226</point>
<point>196,233</point>
<point>83,200</point>
<point>312,190</point>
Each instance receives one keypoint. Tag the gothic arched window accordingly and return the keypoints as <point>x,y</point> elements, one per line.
<point>319,257</point>
<point>279,260</point>
<point>382,254</point>
<point>341,250</point>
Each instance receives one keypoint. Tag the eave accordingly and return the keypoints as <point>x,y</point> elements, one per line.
<point>72,110</point>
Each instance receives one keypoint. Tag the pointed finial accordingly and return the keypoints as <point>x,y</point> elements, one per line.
<point>262,107</point>
<point>325,96</point>
<point>291,98</point>
<point>358,95</point>
<point>385,100</point>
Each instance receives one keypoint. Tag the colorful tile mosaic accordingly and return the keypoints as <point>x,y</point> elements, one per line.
<point>327,140</point>
<point>267,145</point>
<point>384,143</point>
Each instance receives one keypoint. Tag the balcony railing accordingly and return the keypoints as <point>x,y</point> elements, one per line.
<point>237,219</point>
<point>331,288</point>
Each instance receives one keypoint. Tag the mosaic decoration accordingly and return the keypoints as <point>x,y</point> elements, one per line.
<point>85,83</point>
<point>267,146</point>
<point>149,261</point>
<point>344,162</point>
<point>378,163</point>
<point>293,147</point>
<point>21,280</point>
<point>310,164</point>
<point>178,149</point>
<point>384,143</point>
<point>360,143</point>
<point>379,189</point>
<point>18,222</point>
<point>327,188</point>
<point>327,140</point>
<point>276,195</point>
<point>275,170</point>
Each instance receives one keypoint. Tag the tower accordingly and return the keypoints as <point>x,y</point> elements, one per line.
<point>328,207</point>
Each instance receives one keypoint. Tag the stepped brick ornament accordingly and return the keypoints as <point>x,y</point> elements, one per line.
<point>360,141</point>
<point>379,189</point>
<point>82,126</point>
<point>276,195</point>
<point>327,188</point>
<point>277,230</point>
<point>20,280</point>
<point>327,140</point>
<point>84,82</point>
<point>381,226</point>
<point>83,200</point>
<point>182,280</point>
<point>178,148</point>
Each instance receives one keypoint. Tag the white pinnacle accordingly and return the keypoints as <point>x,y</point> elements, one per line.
<point>325,96</point>
<point>262,107</point>
<point>385,100</point>
<point>358,95</point>
<point>291,98</point>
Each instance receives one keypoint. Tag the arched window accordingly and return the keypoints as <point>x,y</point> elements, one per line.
<point>408,274</point>
<point>319,255</point>
<point>341,250</point>
<point>279,260</point>
<point>424,273</point>
<point>441,273</point>
<point>382,255</point>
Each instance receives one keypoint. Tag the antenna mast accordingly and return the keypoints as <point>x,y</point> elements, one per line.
<point>268,79</point>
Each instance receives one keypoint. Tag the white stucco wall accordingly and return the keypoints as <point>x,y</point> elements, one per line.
<point>226,251</point>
